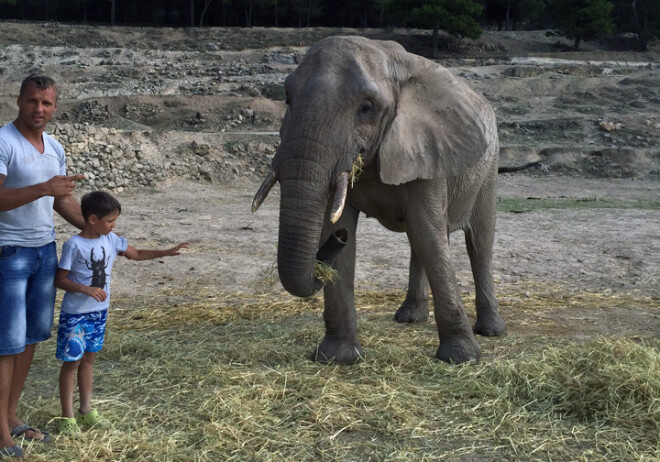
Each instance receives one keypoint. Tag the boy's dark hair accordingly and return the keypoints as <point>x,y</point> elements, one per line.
<point>99,203</point>
<point>42,82</point>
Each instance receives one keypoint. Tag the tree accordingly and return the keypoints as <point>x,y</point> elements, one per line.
<point>583,19</point>
<point>641,17</point>
<point>457,17</point>
<point>509,12</point>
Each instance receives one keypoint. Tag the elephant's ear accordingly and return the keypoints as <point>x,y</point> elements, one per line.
<point>440,129</point>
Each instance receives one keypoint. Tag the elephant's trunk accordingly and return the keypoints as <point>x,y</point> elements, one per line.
<point>305,186</point>
<point>298,247</point>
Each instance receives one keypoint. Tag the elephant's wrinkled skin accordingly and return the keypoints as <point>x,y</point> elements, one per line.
<point>430,151</point>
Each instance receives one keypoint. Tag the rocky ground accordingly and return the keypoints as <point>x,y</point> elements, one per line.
<point>182,123</point>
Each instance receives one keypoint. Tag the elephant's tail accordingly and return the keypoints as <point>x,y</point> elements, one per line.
<point>519,168</point>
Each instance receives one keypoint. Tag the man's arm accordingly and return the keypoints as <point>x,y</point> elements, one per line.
<point>58,186</point>
<point>69,209</point>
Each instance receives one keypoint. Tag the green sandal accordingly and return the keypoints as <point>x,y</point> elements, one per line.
<point>93,420</point>
<point>68,426</point>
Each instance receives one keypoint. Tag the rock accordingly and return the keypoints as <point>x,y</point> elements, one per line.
<point>607,126</point>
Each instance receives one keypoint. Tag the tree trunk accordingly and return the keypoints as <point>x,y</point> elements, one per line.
<point>434,41</point>
<point>641,30</point>
<point>576,44</point>
<point>192,13</point>
<point>113,10</point>
<point>309,12</point>
<point>207,3</point>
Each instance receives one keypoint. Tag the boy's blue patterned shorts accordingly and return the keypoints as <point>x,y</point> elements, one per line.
<point>80,333</point>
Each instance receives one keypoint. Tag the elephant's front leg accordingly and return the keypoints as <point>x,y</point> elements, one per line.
<point>415,307</point>
<point>340,343</point>
<point>427,232</point>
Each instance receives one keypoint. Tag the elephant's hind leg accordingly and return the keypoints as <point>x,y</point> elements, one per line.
<point>479,238</point>
<point>415,307</point>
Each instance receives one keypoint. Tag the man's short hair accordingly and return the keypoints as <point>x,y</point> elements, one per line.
<point>42,82</point>
<point>99,203</point>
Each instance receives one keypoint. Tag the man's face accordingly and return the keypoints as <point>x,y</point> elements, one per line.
<point>36,107</point>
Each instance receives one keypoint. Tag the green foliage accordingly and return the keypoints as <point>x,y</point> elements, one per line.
<point>583,19</point>
<point>452,16</point>
<point>509,12</point>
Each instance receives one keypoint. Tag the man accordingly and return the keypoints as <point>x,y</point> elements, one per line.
<point>33,182</point>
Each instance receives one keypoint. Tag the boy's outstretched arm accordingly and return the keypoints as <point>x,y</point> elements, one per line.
<point>63,282</point>
<point>136,254</point>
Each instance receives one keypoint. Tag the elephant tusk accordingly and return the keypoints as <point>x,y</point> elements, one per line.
<point>264,189</point>
<point>339,198</point>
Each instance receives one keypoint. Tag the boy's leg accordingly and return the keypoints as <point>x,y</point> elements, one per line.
<point>70,350</point>
<point>67,385</point>
<point>94,325</point>
<point>86,381</point>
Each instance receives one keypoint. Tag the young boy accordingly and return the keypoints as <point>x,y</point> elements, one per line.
<point>84,272</point>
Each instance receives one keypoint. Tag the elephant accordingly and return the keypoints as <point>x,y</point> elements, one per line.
<point>429,153</point>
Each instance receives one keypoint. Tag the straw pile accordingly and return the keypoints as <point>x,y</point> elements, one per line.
<point>194,375</point>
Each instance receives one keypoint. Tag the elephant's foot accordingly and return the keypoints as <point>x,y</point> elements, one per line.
<point>490,326</point>
<point>459,350</point>
<point>412,311</point>
<point>339,351</point>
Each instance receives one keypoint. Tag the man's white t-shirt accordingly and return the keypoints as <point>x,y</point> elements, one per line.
<point>89,262</point>
<point>30,225</point>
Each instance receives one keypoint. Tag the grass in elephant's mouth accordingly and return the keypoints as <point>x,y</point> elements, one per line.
<point>356,171</point>
<point>198,375</point>
<point>325,273</point>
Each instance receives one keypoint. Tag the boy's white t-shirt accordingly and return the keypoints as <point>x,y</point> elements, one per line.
<point>89,262</point>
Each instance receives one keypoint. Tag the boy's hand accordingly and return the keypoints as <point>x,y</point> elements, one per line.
<point>96,293</point>
<point>175,250</point>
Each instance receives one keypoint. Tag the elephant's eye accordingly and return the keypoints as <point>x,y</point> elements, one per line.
<point>366,108</point>
<point>367,111</point>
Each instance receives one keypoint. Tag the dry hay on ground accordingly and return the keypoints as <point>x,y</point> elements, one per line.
<point>198,375</point>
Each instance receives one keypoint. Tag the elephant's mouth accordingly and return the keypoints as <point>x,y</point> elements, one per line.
<point>332,246</point>
<point>324,270</point>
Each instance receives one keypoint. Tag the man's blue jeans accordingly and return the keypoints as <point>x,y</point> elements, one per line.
<point>27,295</point>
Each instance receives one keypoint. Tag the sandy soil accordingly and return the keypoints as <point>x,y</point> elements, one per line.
<point>588,222</point>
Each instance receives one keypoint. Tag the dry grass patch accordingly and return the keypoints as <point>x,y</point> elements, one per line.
<point>194,375</point>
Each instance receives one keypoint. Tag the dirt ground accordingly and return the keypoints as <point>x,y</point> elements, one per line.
<point>588,221</point>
